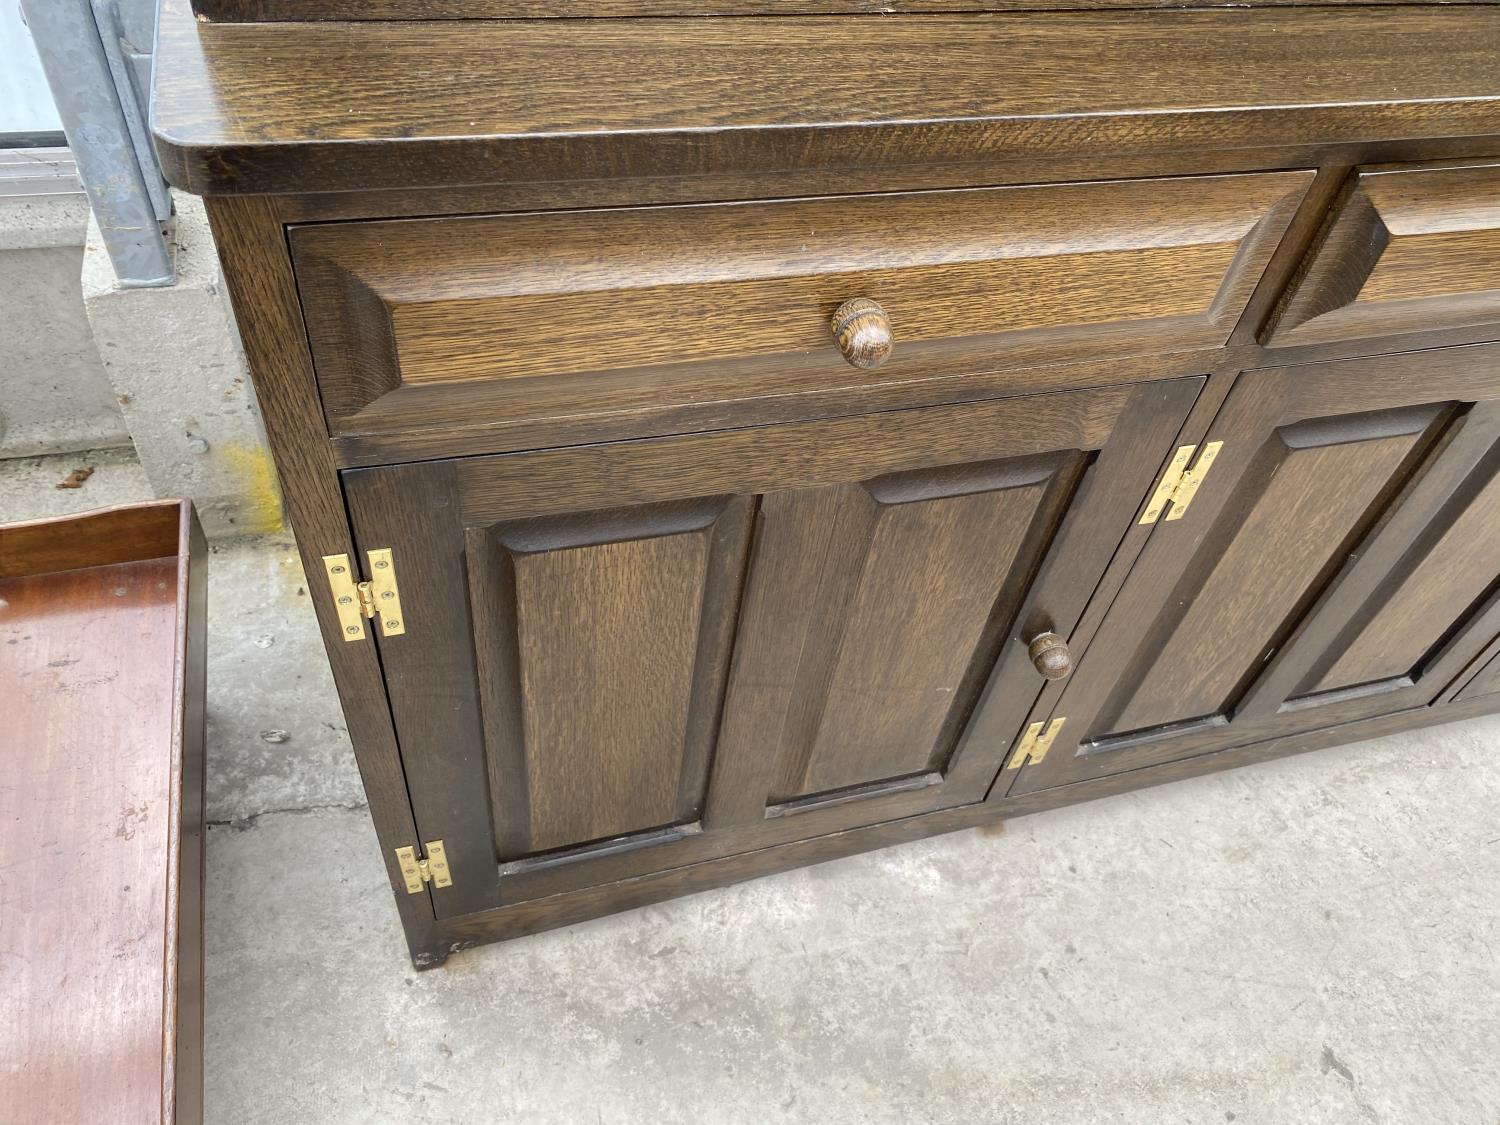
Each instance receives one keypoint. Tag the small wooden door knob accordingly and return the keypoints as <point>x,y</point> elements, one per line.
<point>1050,656</point>
<point>863,332</point>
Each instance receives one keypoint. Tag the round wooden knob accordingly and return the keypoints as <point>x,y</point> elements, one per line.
<point>863,332</point>
<point>1050,656</point>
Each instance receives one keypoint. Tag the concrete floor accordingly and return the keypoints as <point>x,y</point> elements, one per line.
<point>1312,940</point>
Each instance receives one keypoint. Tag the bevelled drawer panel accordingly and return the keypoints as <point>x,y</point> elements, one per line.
<point>443,322</point>
<point>1404,250</point>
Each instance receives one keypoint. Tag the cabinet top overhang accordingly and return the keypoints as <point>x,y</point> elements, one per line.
<point>335,106</point>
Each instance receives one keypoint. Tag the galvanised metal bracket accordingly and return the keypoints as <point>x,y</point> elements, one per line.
<point>97,58</point>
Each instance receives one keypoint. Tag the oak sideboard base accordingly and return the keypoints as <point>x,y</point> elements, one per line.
<point>701,478</point>
<point>430,946</point>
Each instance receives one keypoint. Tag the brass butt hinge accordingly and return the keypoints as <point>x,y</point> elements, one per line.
<point>378,597</point>
<point>433,869</point>
<point>1179,484</point>
<point>1035,743</point>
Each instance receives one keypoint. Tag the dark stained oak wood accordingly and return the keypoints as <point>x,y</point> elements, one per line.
<point>511,415</point>
<point>641,890</point>
<point>405,314</point>
<point>258,10</point>
<point>1404,250</point>
<point>1050,656</point>
<point>101,798</point>
<point>1372,484</point>
<point>295,107</point>
<point>703,579</point>
<point>1016,166</point>
<point>252,245</point>
<point>596,727</point>
<point>1486,682</point>
<point>862,332</point>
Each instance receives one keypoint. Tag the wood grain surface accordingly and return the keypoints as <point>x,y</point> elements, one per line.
<point>420,323</point>
<point>1372,484</point>
<point>692,598</point>
<point>101,795</point>
<point>902,557</point>
<point>232,10</point>
<point>1404,250</point>
<point>288,107</point>
<point>1485,682</point>
<point>252,245</point>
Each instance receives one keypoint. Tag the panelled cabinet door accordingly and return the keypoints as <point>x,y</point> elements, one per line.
<point>1338,561</point>
<point>1484,681</point>
<point>628,657</point>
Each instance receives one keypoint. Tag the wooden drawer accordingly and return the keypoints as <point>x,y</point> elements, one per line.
<point>459,322</point>
<point>1406,250</point>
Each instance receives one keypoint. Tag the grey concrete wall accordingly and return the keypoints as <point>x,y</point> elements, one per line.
<point>173,357</point>
<point>54,394</point>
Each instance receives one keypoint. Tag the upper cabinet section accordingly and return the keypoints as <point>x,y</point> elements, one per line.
<point>1406,250</point>
<point>418,323</point>
<point>251,10</point>
<point>999,97</point>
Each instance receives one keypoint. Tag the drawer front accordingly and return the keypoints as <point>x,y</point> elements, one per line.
<point>1406,250</point>
<point>442,322</point>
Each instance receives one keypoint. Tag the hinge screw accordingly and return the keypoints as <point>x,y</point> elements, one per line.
<point>352,629</point>
<point>345,600</point>
<point>381,565</point>
<point>337,569</point>
<point>392,624</point>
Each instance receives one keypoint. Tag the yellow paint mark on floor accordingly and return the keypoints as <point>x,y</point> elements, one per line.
<point>255,481</point>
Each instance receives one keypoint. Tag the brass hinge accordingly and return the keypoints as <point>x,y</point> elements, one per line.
<point>1179,484</point>
<point>1035,743</point>
<point>378,597</point>
<point>433,869</point>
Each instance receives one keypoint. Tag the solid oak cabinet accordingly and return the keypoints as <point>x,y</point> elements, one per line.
<point>445,321</point>
<point>716,446</point>
<point>635,656</point>
<point>1339,560</point>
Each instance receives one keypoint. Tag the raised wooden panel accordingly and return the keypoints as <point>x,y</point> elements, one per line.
<point>1340,560</point>
<point>1302,504</point>
<point>1485,682</point>
<point>607,639</point>
<point>1427,592</point>
<point>588,645</point>
<point>601,641</point>
<point>1405,250</point>
<point>424,322</point>
<point>898,625</point>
